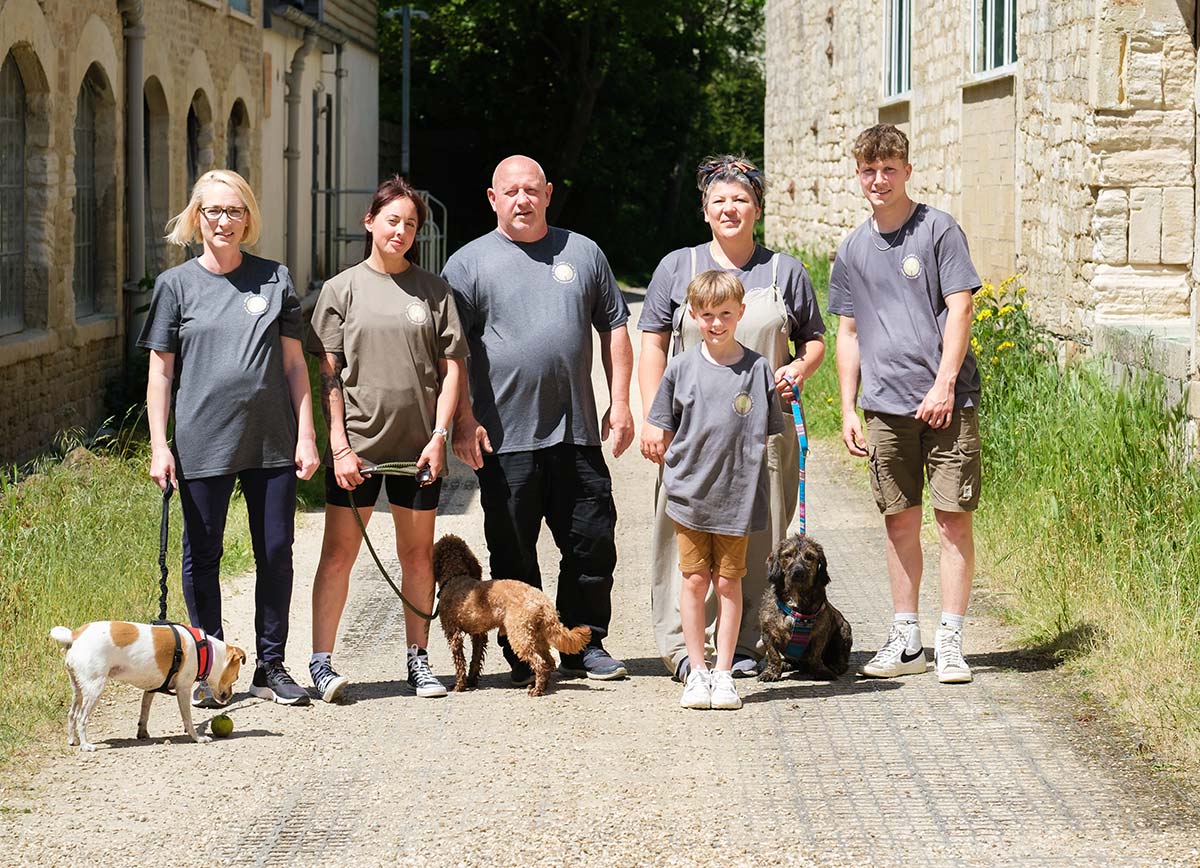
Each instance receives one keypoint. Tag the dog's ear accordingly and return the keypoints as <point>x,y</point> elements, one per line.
<point>473,567</point>
<point>822,570</point>
<point>775,572</point>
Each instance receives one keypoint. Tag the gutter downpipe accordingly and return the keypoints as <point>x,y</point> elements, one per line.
<point>338,131</point>
<point>291,152</point>
<point>132,12</point>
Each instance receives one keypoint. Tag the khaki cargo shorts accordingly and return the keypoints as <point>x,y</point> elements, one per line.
<point>700,550</point>
<point>901,451</point>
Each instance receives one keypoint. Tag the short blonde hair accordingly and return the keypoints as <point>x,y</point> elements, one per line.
<point>711,288</point>
<point>184,227</point>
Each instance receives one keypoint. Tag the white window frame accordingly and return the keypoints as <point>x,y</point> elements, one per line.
<point>988,16</point>
<point>897,49</point>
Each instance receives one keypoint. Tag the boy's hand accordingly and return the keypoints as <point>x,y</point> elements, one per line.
<point>655,441</point>
<point>852,435</point>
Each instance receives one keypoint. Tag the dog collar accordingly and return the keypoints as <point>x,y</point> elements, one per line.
<point>802,627</point>
<point>203,653</point>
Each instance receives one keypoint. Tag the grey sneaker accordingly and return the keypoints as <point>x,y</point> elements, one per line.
<point>272,681</point>
<point>328,683</point>
<point>682,670</point>
<point>595,663</point>
<point>202,696</point>
<point>420,676</point>
<point>744,666</point>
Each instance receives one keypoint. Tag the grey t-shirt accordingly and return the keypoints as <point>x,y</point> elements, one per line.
<point>668,288</point>
<point>715,470</point>
<point>233,410</point>
<point>528,311</point>
<point>897,298</point>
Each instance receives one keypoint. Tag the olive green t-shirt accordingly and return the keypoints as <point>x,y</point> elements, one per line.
<point>392,330</point>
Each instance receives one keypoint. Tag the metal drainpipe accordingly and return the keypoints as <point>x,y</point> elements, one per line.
<point>135,178</point>
<point>338,132</point>
<point>291,152</point>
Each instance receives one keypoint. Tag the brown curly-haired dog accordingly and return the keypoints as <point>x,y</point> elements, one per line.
<point>471,606</point>
<point>794,610</point>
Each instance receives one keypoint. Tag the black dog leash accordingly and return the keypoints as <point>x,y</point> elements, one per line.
<point>391,468</point>
<point>177,656</point>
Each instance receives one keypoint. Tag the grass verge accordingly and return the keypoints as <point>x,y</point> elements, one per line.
<point>79,542</point>
<point>1089,529</point>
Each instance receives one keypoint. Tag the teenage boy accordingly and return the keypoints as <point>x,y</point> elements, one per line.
<point>717,404</point>
<point>902,285</point>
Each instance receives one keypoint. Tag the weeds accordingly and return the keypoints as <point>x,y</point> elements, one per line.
<point>79,542</point>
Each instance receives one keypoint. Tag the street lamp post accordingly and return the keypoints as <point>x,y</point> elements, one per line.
<point>406,13</point>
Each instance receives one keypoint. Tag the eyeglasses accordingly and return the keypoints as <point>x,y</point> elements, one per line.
<point>214,213</point>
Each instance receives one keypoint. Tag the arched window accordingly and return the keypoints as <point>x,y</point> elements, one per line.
<point>199,138</point>
<point>86,216</point>
<point>237,140</point>
<point>157,169</point>
<point>12,198</point>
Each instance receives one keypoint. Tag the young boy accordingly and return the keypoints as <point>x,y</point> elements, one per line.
<point>902,285</point>
<point>718,403</point>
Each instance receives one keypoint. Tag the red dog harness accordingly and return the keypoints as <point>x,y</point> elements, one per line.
<point>203,655</point>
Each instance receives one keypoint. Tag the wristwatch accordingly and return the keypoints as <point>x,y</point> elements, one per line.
<point>445,434</point>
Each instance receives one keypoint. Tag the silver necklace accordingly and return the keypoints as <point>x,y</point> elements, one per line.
<point>888,245</point>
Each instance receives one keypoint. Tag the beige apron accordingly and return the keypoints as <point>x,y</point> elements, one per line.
<point>764,329</point>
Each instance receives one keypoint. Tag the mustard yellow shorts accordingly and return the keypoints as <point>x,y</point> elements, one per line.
<point>701,550</point>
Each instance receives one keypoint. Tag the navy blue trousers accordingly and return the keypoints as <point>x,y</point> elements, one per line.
<point>570,487</point>
<point>270,496</point>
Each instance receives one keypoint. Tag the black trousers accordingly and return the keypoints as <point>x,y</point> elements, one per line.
<point>570,487</point>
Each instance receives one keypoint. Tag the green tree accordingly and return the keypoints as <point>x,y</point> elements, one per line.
<point>618,100</point>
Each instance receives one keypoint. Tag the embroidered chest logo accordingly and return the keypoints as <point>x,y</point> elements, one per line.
<point>255,305</point>
<point>743,404</point>
<point>564,272</point>
<point>417,313</point>
<point>911,266</point>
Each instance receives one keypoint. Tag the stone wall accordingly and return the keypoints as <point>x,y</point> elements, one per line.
<point>55,371</point>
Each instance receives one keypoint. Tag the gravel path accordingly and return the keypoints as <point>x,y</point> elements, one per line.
<point>1000,771</point>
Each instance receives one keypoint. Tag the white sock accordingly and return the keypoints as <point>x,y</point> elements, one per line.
<point>952,622</point>
<point>318,657</point>
<point>908,620</point>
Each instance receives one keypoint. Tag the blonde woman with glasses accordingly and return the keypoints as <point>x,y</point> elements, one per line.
<point>223,331</point>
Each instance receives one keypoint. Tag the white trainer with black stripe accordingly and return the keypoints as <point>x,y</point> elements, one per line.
<point>420,676</point>
<point>948,657</point>
<point>901,654</point>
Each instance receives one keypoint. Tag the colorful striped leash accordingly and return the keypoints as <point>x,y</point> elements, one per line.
<point>802,437</point>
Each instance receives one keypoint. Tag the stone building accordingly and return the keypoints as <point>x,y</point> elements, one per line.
<point>1061,134</point>
<point>90,88</point>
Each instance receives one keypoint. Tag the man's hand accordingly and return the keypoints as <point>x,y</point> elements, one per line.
<point>307,459</point>
<point>852,435</point>
<point>470,441</point>
<point>938,405</point>
<point>655,441</point>
<point>789,382</point>
<point>618,420</point>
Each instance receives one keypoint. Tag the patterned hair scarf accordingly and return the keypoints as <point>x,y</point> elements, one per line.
<point>730,168</point>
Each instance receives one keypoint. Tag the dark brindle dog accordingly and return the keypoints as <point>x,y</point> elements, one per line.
<point>800,627</point>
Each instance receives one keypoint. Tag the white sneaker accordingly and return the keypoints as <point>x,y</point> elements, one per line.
<point>697,692</point>
<point>724,694</point>
<point>897,656</point>
<point>202,696</point>
<point>948,657</point>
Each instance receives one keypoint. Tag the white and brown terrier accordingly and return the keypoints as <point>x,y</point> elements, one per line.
<point>142,655</point>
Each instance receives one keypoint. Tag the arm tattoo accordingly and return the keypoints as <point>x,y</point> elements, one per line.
<point>331,392</point>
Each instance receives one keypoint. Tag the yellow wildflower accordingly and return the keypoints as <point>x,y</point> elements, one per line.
<point>1008,308</point>
<point>1021,290</point>
<point>986,313</point>
<point>1006,345</point>
<point>995,359</point>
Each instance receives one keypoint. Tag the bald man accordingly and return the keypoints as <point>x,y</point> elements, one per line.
<point>529,295</point>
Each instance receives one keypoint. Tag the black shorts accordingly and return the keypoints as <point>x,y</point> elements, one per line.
<point>402,491</point>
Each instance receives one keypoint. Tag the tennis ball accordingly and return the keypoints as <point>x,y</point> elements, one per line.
<point>221,726</point>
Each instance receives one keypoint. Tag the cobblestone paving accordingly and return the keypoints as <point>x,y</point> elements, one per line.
<point>858,772</point>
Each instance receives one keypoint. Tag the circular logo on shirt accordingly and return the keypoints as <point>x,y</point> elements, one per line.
<point>743,404</point>
<point>911,266</point>
<point>564,272</point>
<point>417,313</point>
<point>255,305</point>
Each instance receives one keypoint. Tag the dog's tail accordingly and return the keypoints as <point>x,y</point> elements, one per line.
<point>567,641</point>
<point>62,636</point>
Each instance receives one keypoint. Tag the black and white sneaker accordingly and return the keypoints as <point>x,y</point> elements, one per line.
<point>272,681</point>
<point>420,676</point>
<point>328,683</point>
<point>901,654</point>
